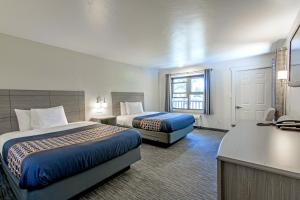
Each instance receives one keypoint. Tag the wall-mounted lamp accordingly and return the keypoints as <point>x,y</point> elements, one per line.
<point>282,75</point>
<point>100,105</point>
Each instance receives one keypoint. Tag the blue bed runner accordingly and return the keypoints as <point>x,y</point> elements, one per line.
<point>38,161</point>
<point>163,122</point>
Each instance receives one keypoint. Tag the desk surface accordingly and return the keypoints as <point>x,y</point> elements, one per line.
<point>266,148</point>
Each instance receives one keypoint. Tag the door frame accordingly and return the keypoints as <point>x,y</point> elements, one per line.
<point>234,71</point>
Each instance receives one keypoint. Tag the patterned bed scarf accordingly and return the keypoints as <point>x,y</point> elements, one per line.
<point>19,151</point>
<point>151,124</point>
<point>154,122</point>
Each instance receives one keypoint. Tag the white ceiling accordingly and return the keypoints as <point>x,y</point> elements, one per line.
<point>153,33</point>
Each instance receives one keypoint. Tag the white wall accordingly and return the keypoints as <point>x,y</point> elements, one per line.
<point>29,65</point>
<point>293,93</point>
<point>220,87</point>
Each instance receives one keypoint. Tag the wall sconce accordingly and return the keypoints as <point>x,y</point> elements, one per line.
<point>100,105</point>
<point>104,103</point>
<point>282,75</point>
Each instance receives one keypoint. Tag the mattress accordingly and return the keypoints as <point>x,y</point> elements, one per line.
<point>38,158</point>
<point>157,121</point>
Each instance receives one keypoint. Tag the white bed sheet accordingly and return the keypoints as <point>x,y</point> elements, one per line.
<point>126,120</point>
<point>17,134</point>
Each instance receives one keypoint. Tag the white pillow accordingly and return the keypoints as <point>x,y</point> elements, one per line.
<point>47,118</point>
<point>123,108</point>
<point>134,107</point>
<point>24,119</point>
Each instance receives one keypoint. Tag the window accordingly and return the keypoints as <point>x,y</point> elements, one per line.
<point>188,92</point>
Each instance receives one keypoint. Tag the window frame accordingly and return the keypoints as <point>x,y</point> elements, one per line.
<point>188,92</point>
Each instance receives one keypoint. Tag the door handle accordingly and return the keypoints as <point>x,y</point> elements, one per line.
<point>238,107</point>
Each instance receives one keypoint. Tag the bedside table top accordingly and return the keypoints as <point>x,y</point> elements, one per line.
<point>104,117</point>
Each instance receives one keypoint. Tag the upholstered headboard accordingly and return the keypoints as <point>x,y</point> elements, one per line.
<point>118,97</point>
<point>73,102</point>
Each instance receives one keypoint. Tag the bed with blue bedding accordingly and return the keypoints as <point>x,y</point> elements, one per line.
<point>38,161</point>
<point>163,122</point>
<point>161,126</point>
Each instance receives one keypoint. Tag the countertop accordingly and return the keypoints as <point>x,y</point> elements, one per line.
<point>262,147</point>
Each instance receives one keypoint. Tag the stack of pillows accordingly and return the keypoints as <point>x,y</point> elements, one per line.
<point>131,108</point>
<point>41,118</point>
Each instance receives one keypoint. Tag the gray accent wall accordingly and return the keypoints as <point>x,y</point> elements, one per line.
<point>118,97</point>
<point>72,101</point>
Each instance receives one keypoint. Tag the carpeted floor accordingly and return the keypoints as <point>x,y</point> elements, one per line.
<point>185,170</point>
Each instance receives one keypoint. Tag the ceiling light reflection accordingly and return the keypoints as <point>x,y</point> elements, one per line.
<point>187,43</point>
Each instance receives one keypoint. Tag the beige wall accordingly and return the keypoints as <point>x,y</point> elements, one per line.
<point>220,87</point>
<point>29,65</point>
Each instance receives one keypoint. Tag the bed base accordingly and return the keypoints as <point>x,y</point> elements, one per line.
<point>166,138</point>
<point>76,184</point>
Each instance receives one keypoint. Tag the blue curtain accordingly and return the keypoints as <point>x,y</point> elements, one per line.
<point>168,103</point>
<point>207,107</point>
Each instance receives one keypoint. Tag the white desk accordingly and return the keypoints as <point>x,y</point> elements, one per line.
<point>268,154</point>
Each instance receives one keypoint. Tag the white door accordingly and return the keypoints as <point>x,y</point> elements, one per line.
<point>253,93</point>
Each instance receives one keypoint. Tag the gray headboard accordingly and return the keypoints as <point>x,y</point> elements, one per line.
<point>73,102</point>
<point>118,97</point>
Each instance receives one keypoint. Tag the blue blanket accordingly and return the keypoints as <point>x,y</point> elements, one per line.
<point>163,122</point>
<point>54,156</point>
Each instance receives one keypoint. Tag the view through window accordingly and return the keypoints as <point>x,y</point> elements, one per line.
<point>188,92</point>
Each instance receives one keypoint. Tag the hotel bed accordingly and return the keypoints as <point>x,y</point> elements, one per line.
<point>162,127</point>
<point>62,161</point>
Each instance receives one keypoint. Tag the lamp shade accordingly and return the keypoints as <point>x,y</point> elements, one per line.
<point>98,108</point>
<point>282,75</point>
<point>104,105</point>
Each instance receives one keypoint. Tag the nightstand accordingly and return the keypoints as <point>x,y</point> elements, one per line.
<point>109,120</point>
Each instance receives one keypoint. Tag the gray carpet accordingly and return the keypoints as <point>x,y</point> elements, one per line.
<point>185,170</point>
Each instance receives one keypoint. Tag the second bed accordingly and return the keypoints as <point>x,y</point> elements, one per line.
<point>162,127</point>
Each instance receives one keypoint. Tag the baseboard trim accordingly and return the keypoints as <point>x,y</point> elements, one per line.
<point>211,129</point>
